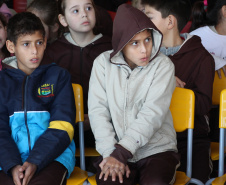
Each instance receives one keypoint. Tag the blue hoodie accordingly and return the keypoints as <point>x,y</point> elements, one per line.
<point>37,113</point>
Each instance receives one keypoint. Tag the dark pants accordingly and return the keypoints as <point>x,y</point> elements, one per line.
<point>158,169</point>
<point>53,174</point>
<point>201,161</point>
<point>214,124</point>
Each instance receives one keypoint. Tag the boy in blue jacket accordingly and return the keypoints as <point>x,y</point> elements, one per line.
<point>36,110</point>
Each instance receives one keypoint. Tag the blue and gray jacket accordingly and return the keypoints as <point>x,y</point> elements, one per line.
<point>37,113</point>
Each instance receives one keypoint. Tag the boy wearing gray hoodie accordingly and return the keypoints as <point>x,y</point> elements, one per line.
<point>130,92</point>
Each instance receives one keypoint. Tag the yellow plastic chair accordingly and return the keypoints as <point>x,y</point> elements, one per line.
<point>79,176</point>
<point>182,109</point>
<point>221,179</point>
<point>218,86</point>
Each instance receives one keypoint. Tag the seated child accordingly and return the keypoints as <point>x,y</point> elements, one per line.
<point>77,49</point>
<point>213,33</point>
<point>46,10</point>
<point>130,92</point>
<point>194,69</point>
<point>3,34</point>
<point>5,11</point>
<point>36,110</point>
<point>137,4</point>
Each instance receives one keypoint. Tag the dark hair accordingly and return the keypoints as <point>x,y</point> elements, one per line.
<point>213,13</point>
<point>62,5</point>
<point>48,10</point>
<point>198,16</point>
<point>61,10</point>
<point>4,23</point>
<point>23,23</point>
<point>181,9</point>
<point>211,17</point>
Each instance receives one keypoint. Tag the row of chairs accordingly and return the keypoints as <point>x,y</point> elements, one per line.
<point>218,149</point>
<point>182,109</point>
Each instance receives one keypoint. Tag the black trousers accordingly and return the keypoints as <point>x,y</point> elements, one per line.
<point>201,160</point>
<point>158,169</point>
<point>53,174</point>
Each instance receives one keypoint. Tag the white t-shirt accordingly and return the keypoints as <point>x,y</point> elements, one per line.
<point>214,43</point>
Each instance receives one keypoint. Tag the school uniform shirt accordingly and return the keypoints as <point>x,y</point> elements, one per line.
<point>195,66</point>
<point>36,117</point>
<point>214,43</point>
<point>77,60</point>
<point>129,109</point>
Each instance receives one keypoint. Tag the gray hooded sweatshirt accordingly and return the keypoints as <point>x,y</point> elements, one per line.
<point>129,108</point>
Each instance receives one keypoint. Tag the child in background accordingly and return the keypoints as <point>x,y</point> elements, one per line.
<point>3,34</point>
<point>198,16</point>
<point>194,69</point>
<point>77,49</point>
<point>137,4</point>
<point>129,97</point>
<point>46,10</point>
<point>5,11</point>
<point>213,35</point>
<point>36,110</point>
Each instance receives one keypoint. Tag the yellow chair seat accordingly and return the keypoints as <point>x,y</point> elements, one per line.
<point>218,86</point>
<point>219,180</point>
<point>92,180</point>
<point>181,178</point>
<point>215,151</point>
<point>89,152</point>
<point>77,177</point>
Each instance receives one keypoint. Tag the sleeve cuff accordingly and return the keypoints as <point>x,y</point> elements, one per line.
<point>121,154</point>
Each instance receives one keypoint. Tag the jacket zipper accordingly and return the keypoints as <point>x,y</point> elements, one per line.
<point>81,67</point>
<point>25,111</point>
<point>126,100</point>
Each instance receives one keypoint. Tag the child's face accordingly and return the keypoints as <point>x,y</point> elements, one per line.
<point>3,35</point>
<point>156,17</point>
<point>29,51</point>
<point>138,51</point>
<point>46,27</point>
<point>140,6</point>
<point>79,16</point>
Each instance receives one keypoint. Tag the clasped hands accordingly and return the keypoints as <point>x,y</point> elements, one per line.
<point>112,167</point>
<point>23,174</point>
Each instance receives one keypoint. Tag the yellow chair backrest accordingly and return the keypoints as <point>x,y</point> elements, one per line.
<point>222,122</point>
<point>78,94</point>
<point>182,109</point>
<point>218,86</point>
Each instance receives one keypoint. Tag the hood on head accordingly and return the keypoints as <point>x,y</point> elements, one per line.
<point>127,23</point>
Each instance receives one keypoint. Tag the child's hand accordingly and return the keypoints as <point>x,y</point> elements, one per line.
<point>219,71</point>
<point>179,83</point>
<point>113,167</point>
<point>29,170</point>
<point>17,175</point>
<point>127,171</point>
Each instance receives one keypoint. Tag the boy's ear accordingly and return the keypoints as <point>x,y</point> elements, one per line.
<point>172,21</point>
<point>62,20</point>
<point>10,46</point>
